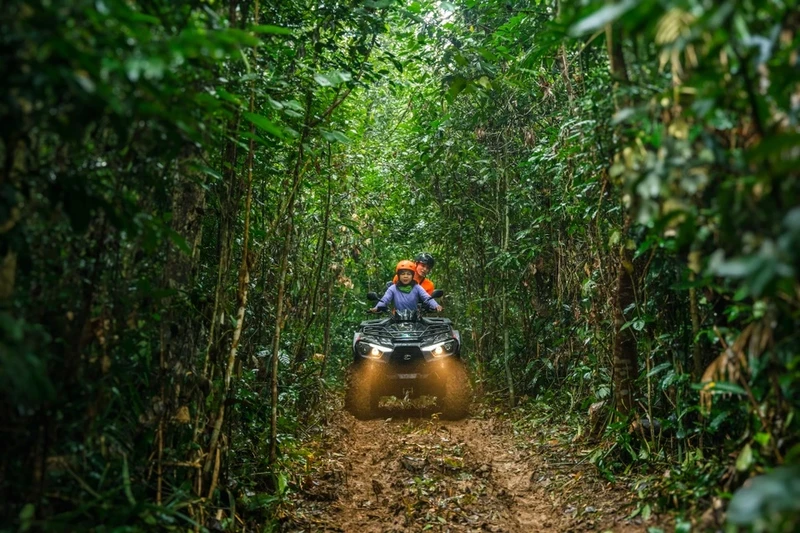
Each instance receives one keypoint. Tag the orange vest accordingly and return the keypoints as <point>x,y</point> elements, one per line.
<point>426,284</point>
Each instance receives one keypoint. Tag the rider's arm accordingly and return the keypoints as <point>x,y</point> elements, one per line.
<point>426,298</point>
<point>388,297</point>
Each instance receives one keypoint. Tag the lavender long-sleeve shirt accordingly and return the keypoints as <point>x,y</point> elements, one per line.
<point>403,301</point>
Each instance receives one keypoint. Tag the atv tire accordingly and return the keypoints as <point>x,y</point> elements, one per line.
<point>360,398</point>
<point>457,392</point>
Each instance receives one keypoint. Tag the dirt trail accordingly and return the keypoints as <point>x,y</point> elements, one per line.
<point>410,471</point>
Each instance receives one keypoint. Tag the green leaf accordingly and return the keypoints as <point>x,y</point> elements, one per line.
<point>646,512</point>
<point>766,496</point>
<point>623,115</point>
<point>792,219</point>
<point>264,123</point>
<point>273,30</point>
<point>86,83</point>
<point>257,138</point>
<point>208,170</point>
<point>719,386</point>
<point>26,516</point>
<point>736,268</point>
<point>762,438</point>
<point>684,285</point>
<point>601,17</point>
<point>179,241</point>
<point>283,484</point>
<point>228,97</point>
<point>723,386</point>
<point>332,79</point>
<point>456,86</point>
<point>659,368</point>
<point>793,455</point>
<point>294,105</point>
<point>718,420</point>
<point>745,459</point>
<point>637,324</point>
<point>335,136</point>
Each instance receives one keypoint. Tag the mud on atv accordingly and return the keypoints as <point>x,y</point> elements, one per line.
<point>407,355</point>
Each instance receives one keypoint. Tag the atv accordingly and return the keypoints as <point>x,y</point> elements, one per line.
<point>407,355</point>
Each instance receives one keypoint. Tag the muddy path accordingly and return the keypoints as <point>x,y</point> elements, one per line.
<point>410,471</point>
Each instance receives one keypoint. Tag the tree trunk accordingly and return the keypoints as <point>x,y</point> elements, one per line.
<point>506,352</point>
<point>276,342</point>
<point>326,342</point>
<point>697,359</point>
<point>625,354</point>
<point>624,351</point>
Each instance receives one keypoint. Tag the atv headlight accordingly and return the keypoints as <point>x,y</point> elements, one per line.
<point>441,348</point>
<point>369,349</point>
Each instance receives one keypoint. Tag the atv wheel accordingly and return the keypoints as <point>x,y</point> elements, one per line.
<point>360,398</point>
<point>457,392</point>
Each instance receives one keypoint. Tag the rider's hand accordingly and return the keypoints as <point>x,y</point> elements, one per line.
<point>438,308</point>
<point>373,310</point>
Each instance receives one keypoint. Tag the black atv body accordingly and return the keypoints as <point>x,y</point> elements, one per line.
<point>407,355</point>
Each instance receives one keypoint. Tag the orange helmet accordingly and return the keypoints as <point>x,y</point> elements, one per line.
<point>405,265</point>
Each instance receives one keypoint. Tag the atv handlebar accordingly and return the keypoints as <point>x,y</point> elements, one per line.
<point>373,297</point>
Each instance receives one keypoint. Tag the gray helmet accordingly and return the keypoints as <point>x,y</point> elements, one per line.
<point>425,258</point>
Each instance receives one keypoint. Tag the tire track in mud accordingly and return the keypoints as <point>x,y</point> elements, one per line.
<point>410,471</point>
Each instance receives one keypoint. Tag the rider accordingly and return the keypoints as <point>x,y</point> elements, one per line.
<point>406,293</point>
<point>424,266</point>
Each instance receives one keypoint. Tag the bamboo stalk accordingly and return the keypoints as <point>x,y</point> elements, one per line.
<point>244,279</point>
<point>159,463</point>
<point>214,476</point>
<point>276,342</point>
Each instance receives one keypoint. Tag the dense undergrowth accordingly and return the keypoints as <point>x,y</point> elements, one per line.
<point>196,196</point>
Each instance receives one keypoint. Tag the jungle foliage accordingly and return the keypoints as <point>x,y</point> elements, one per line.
<point>195,197</point>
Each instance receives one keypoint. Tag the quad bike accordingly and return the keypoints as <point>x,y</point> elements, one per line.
<point>407,355</point>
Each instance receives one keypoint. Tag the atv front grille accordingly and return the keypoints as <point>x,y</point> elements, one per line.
<point>406,355</point>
